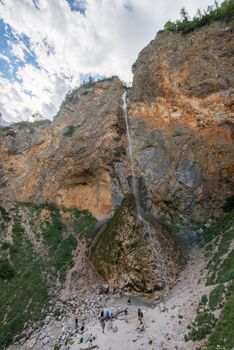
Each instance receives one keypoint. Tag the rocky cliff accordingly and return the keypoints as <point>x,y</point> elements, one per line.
<point>181,110</point>
<point>70,161</point>
<point>180,113</point>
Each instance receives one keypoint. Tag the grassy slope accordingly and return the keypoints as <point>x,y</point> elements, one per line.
<point>220,266</point>
<point>37,256</point>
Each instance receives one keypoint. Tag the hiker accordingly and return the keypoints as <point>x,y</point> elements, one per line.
<point>141,327</point>
<point>91,338</point>
<point>129,301</point>
<point>103,325</point>
<point>140,315</point>
<point>102,313</point>
<point>110,324</point>
<point>108,314</point>
<point>76,322</point>
<point>126,315</point>
<point>82,328</point>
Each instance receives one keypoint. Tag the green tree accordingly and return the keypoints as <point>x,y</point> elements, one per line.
<point>184,14</point>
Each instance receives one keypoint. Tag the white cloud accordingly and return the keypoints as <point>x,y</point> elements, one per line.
<point>105,41</point>
<point>4,58</point>
<point>18,50</point>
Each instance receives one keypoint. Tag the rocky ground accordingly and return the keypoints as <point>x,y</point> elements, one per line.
<point>165,324</point>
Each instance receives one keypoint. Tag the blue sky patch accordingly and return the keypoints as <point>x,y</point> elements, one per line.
<point>11,63</point>
<point>77,5</point>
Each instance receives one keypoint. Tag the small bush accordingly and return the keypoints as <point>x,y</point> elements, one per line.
<point>229,204</point>
<point>5,245</point>
<point>216,297</point>
<point>4,214</point>
<point>204,299</point>
<point>84,225</point>
<point>6,270</point>
<point>69,130</point>
<point>226,270</point>
<point>24,125</point>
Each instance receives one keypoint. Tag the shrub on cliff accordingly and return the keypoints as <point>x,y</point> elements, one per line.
<point>89,83</point>
<point>223,11</point>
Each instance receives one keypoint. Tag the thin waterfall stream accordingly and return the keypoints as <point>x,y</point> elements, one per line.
<point>131,154</point>
<point>140,213</point>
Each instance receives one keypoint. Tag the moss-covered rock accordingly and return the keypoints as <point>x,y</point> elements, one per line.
<point>123,255</point>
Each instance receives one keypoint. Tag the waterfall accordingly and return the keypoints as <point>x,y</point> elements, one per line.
<point>131,154</point>
<point>140,215</point>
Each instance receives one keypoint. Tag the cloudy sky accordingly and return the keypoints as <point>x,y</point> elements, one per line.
<point>50,46</point>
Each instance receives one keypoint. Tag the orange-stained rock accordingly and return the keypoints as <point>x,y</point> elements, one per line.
<point>69,161</point>
<point>181,122</point>
<point>181,118</point>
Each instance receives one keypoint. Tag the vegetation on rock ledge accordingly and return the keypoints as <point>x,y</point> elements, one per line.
<point>224,11</point>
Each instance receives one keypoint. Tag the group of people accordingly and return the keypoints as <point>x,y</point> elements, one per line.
<point>82,327</point>
<point>89,338</point>
<point>106,315</point>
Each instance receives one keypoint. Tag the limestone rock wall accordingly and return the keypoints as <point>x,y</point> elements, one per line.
<point>181,117</point>
<point>181,121</point>
<point>71,161</point>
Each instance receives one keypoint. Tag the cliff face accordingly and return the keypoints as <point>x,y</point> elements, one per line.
<point>180,109</point>
<point>69,162</point>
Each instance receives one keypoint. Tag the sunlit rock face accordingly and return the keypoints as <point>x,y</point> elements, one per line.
<point>70,161</point>
<point>180,114</point>
<point>181,110</point>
